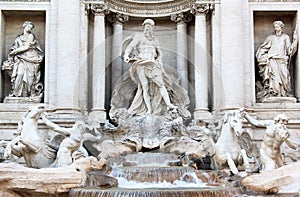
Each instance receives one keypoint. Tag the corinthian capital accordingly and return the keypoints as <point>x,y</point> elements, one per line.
<point>181,17</point>
<point>200,8</point>
<point>117,18</point>
<point>98,7</point>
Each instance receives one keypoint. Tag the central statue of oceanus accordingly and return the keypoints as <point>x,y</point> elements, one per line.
<point>146,88</point>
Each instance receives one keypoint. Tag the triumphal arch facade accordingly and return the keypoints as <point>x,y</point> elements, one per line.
<point>215,50</point>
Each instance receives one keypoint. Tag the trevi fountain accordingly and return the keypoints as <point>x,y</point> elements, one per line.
<point>165,98</point>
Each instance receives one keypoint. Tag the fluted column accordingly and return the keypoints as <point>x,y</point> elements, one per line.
<point>182,50</point>
<point>98,66</point>
<point>201,61</point>
<point>117,20</point>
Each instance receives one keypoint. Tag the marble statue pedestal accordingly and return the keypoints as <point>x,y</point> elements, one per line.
<point>26,100</point>
<point>279,100</point>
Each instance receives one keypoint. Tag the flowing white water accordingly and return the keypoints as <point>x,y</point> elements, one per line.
<point>196,183</point>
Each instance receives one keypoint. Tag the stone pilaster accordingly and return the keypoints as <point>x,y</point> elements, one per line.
<point>232,53</point>
<point>68,56</point>
<point>201,61</point>
<point>98,66</point>
<point>182,49</point>
<point>117,20</point>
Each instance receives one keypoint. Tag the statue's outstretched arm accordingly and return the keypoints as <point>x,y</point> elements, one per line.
<point>257,123</point>
<point>55,127</point>
<point>290,144</point>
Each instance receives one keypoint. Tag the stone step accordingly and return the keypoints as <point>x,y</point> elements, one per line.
<point>150,159</point>
<point>150,174</point>
<point>178,192</point>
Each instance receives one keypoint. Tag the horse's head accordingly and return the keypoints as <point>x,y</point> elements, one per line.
<point>234,119</point>
<point>35,112</point>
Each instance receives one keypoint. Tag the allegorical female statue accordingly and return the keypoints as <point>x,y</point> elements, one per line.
<point>23,64</point>
<point>273,58</point>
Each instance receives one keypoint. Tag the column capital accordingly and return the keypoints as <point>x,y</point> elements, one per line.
<point>181,17</point>
<point>117,18</point>
<point>202,8</point>
<point>97,8</point>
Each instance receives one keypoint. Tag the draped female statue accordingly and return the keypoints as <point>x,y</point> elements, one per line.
<point>23,64</point>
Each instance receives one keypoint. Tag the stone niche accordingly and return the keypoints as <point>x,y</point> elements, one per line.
<point>166,32</point>
<point>263,27</point>
<point>11,27</point>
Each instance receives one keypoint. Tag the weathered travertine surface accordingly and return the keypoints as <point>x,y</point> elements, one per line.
<point>283,180</point>
<point>17,180</point>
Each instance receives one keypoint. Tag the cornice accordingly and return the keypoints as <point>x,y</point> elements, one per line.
<point>149,8</point>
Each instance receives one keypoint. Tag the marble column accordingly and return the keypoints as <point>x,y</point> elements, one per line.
<point>68,56</point>
<point>98,65</point>
<point>182,49</point>
<point>201,62</point>
<point>232,54</point>
<point>117,20</point>
<point>297,63</point>
<point>218,91</point>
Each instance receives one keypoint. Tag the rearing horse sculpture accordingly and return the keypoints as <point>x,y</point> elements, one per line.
<point>31,143</point>
<point>228,151</point>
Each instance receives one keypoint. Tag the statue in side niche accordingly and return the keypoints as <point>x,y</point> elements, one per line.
<point>275,135</point>
<point>23,64</point>
<point>274,57</point>
<point>146,88</point>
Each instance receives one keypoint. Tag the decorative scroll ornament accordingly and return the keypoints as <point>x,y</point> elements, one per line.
<point>95,7</point>
<point>199,7</point>
<point>98,8</point>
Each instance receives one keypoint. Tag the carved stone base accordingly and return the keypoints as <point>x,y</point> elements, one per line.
<point>17,180</point>
<point>202,114</point>
<point>26,100</point>
<point>282,180</point>
<point>279,100</point>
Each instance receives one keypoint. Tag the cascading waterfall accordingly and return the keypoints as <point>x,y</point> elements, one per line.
<point>151,177</point>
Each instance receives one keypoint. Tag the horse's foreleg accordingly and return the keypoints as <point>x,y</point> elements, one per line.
<point>10,148</point>
<point>213,164</point>
<point>231,164</point>
<point>30,146</point>
<point>245,160</point>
